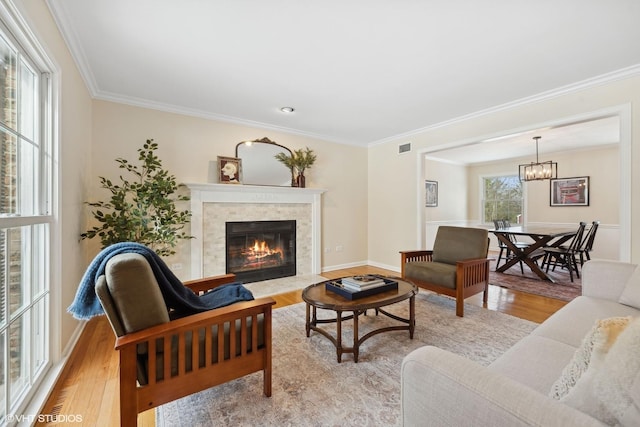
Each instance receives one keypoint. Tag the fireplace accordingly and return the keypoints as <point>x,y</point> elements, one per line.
<point>260,250</point>
<point>212,205</point>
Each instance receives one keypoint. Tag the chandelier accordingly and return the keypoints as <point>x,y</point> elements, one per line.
<point>538,171</point>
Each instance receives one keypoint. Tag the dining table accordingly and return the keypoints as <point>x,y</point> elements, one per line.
<point>541,236</point>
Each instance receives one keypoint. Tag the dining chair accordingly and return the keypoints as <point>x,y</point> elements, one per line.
<point>565,256</point>
<point>587,243</point>
<point>507,224</point>
<point>504,224</point>
<point>499,225</point>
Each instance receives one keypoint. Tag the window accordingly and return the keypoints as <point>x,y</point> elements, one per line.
<point>502,198</point>
<point>25,221</point>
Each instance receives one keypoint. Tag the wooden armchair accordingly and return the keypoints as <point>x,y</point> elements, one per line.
<point>457,266</point>
<point>162,359</point>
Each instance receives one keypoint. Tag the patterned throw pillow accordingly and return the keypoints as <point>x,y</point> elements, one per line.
<point>617,384</point>
<point>577,385</point>
<point>600,337</point>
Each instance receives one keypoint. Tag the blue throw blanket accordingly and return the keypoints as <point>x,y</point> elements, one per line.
<point>180,299</point>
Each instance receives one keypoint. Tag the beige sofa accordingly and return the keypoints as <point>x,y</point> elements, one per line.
<point>443,389</point>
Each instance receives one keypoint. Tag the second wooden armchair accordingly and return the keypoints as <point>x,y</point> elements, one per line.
<point>457,266</point>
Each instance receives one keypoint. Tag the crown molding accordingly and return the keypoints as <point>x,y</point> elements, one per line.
<point>192,112</point>
<point>602,79</point>
<point>71,39</point>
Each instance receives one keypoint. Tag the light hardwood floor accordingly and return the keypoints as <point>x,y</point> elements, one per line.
<point>88,386</point>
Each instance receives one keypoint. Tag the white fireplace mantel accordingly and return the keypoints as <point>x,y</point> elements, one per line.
<point>232,193</point>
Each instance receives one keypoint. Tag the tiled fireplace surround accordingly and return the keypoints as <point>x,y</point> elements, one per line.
<point>212,205</point>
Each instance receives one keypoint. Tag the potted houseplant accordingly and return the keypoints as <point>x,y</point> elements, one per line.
<point>142,209</point>
<point>299,160</point>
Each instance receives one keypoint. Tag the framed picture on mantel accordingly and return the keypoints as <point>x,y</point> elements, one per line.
<point>229,170</point>
<point>431,193</point>
<point>570,191</point>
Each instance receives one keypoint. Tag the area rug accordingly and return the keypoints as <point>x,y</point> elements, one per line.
<point>310,388</point>
<point>562,288</point>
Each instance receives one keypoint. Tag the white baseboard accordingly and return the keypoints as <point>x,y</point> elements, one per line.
<point>343,266</point>
<point>360,264</point>
<point>385,266</point>
<point>74,339</point>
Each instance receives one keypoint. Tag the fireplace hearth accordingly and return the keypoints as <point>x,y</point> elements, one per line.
<point>261,250</point>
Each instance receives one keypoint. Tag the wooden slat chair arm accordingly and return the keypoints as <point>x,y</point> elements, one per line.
<point>471,263</point>
<point>410,255</point>
<point>472,271</point>
<point>208,283</point>
<point>189,323</point>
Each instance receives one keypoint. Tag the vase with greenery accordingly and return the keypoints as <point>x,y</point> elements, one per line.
<point>142,208</point>
<point>299,161</point>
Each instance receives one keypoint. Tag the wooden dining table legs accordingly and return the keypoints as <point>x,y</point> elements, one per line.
<point>528,254</point>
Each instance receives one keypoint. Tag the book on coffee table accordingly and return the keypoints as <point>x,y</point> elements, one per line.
<point>339,288</point>
<point>356,288</point>
<point>362,282</point>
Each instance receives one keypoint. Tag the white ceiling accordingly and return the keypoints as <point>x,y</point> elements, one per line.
<point>357,72</point>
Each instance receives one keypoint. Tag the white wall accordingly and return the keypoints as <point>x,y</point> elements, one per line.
<point>600,165</point>
<point>393,198</point>
<point>453,192</point>
<point>187,144</point>
<point>604,205</point>
<point>453,199</point>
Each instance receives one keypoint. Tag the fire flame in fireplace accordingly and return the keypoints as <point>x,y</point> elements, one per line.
<point>260,249</point>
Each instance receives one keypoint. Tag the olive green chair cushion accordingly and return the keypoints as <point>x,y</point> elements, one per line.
<point>130,294</point>
<point>437,273</point>
<point>455,244</point>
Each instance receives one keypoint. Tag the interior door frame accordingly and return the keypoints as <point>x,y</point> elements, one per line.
<point>623,112</point>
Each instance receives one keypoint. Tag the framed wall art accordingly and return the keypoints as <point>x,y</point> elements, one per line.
<point>229,170</point>
<point>570,191</point>
<point>431,193</point>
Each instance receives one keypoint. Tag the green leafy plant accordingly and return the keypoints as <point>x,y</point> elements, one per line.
<point>299,160</point>
<point>303,159</point>
<point>285,159</point>
<point>288,162</point>
<point>142,209</point>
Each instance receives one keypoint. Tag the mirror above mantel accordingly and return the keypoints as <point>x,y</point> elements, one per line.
<point>259,165</point>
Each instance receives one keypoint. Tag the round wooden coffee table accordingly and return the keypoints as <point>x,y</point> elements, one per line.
<point>316,296</point>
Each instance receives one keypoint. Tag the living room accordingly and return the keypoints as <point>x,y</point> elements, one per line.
<point>379,189</point>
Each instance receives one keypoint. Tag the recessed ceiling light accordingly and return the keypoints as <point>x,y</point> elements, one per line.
<point>287,109</point>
